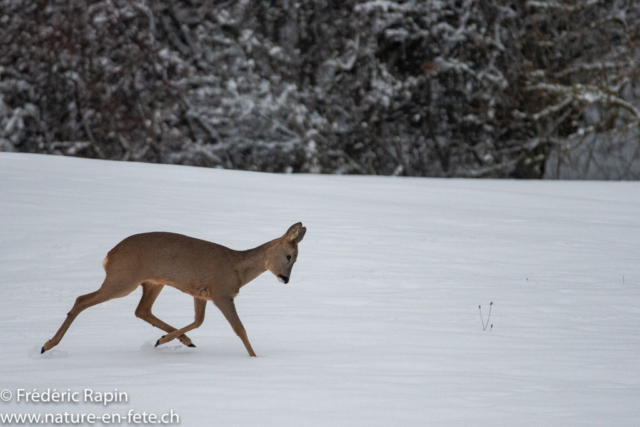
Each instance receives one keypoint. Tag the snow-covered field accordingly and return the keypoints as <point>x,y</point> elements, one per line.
<point>379,325</point>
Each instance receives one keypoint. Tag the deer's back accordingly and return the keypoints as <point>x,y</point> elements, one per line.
<point>173,259</point>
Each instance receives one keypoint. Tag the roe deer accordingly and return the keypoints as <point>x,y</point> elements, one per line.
<point>204,270</point>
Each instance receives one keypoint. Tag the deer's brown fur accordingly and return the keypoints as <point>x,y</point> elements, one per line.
<point>205,270</point>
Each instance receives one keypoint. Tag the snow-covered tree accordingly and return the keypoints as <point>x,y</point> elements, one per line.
<point>415,87</point>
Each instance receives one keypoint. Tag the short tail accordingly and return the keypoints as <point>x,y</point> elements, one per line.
<point>105,261</point>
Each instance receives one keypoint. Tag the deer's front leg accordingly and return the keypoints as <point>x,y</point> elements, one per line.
<point>228,308</point>
<point>200,305</point>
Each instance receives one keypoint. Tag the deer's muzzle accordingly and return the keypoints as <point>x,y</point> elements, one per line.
<point>283,279</point>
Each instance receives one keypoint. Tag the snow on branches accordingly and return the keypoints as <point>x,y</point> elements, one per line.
<point>412,87</point>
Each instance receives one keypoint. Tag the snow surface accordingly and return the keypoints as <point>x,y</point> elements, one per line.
<point>379,325</point>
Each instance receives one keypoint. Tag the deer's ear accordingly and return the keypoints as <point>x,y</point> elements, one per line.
<point>303,230</point>
<point>295,233</point>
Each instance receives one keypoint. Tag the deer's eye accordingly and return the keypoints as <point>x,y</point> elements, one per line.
<point>288,257</point>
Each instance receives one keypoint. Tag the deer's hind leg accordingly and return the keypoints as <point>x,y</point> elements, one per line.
<point>149,294</point>
<point>109,290</point>
<point>199,305</point>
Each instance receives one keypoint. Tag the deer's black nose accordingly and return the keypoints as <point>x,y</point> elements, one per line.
<point>284,279</point>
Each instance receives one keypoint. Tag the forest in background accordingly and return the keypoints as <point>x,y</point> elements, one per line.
<point>445,88</point>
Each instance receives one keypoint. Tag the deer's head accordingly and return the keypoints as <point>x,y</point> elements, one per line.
<point>284,253</point>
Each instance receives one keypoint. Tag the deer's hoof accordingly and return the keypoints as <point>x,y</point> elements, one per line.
<point>157,343</point>
<point>43,350</point>
<point>192,345</point>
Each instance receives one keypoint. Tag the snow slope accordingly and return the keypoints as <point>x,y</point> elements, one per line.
<point>379,325</point>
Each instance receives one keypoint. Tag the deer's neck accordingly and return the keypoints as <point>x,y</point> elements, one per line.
<point>253,262</point>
